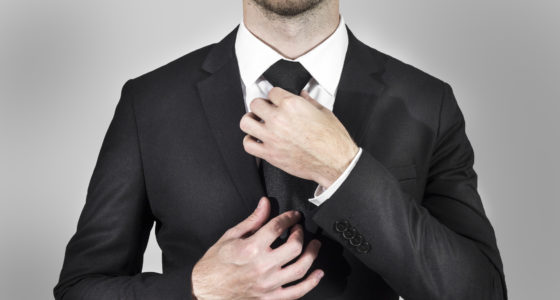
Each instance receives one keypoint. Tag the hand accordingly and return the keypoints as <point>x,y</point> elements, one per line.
<point>242,265</point>
<point>299,136</point>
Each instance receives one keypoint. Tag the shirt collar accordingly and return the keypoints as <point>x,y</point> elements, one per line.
<point>324,62</point>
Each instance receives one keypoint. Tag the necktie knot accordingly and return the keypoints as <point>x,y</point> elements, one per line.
<point>289,75</point>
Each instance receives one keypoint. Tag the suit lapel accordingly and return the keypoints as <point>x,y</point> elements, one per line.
<point>223,103</point>
<point>359,87</point>
<point>222,100</point>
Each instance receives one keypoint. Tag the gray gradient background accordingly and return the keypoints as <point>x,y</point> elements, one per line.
<point>63,63</point>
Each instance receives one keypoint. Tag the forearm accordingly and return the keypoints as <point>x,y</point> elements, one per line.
<point>420,257</point>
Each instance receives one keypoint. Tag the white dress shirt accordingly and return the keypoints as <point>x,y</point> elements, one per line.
<point>324,63</point>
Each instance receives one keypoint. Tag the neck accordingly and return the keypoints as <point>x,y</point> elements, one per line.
<point>292,36</point>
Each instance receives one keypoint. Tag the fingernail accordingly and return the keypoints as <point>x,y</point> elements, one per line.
<point>321,274</point>
<point>297,213</point>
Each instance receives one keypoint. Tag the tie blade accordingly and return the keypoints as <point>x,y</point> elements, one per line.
<point>288,192</point>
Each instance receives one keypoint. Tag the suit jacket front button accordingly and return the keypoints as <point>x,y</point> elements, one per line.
<point>364,248</point>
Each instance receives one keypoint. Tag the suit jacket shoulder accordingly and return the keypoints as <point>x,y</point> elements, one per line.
<point>165,81</point>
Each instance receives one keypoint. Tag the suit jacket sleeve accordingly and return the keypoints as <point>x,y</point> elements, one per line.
<point>438,247</point>
<point>103,259</point>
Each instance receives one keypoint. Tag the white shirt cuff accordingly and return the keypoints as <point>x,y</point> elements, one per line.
<point>321,194</point>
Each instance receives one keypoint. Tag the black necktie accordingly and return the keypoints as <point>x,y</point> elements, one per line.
<point>288,192</point>
<point>285,191</point>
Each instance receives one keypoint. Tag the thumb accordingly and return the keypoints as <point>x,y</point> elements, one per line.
<point>253,222</point>
<point>307,97</point>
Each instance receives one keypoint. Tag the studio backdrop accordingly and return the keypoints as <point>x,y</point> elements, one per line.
<point>63,63</point>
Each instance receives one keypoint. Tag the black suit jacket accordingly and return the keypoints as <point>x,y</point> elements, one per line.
<point>407,221</point>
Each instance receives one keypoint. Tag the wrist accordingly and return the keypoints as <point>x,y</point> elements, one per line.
<point>336,169</point>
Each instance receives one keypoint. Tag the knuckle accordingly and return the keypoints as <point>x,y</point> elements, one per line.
<point>289,101</point>
<point>225,250</point>
<point>290,216</point>
<point>274,90</point>
<point>231,232</point>
<point>263,286</point>
<point>298,248</point>
<point>295,248</point>
<point>277,226</point>
<point>260,268</point>
<point>253,104</point>
<point>300,271</point>
<point>245,123</point>
<point>249,249</point>
<point>298,232</point>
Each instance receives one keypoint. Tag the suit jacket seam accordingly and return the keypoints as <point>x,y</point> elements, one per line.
<point>138,144</point>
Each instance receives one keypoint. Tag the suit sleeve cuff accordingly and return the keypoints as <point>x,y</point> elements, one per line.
<point>322,194</point>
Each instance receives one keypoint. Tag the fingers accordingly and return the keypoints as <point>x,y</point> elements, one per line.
<point>253,222</point>
<point>299,290</point>
<point>277,95</point>
<point>275,227</point>
<point>307,97</point>
<point>290,249</point>
<point>253,147</point>
<point>250,125</point>
<point>262,108</point>
<point>298,269</point>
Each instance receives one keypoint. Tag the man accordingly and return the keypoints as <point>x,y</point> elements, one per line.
<point>364,159</point>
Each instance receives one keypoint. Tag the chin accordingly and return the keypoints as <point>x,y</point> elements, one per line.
<point>288,8</point>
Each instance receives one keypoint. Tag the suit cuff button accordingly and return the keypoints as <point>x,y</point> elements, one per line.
<point>364,248</point>
<point>350,233</point>
<point>357,240</point>
<point>341,225</point>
